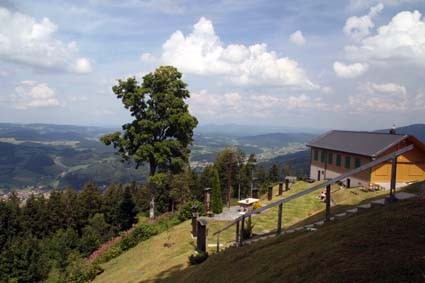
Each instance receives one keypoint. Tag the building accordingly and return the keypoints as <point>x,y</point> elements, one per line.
<point>338,152</point>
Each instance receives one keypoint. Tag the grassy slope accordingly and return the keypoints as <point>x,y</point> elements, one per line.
<point>150,260</point>
<point>382,245</point>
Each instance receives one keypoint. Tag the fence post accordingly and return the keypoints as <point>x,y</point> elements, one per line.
<point>237,232</point>
<point>328,203</point>
<point>280,188</point>
<point>286,184</point>
<point>279,219</point>
<point>270,193</point>
<point>241,236</point>
<point>201,237</point>
<point>218,242</point>
<point>393,178</point>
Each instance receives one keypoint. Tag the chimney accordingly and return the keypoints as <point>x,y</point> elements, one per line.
<point>392,130</point>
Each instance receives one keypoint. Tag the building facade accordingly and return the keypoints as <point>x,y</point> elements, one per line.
<point>338,152</point>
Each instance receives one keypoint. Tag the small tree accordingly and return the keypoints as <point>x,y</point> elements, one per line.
<point>216,198</point>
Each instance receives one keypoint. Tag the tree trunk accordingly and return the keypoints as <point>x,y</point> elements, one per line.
<point>152,168</point>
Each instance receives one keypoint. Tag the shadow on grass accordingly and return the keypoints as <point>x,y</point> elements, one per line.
<point>171,272</point>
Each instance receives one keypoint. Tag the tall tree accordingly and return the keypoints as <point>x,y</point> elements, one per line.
<point>216,197</point>
<point>162,128</point>
<point>274,173</point>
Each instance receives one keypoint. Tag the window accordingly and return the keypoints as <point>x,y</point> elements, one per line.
<point>330,157</point>
<point>322,156</point>
<point>357,163</point>
<point>347,162</point>
<point>338,160</point>
<point>316,155</point>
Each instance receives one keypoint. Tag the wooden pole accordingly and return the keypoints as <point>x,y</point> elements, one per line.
<point>393,178</point>
<point>328,203</point>
<point>270,193</point>
<point>241,236</point>
<point>218,242</point>
<point>279,219</point>
<point>237,232</point>
<point>280,188</point>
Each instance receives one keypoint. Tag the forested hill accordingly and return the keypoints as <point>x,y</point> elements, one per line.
<point>276,139</point>
<point>55,156</point>
<point>417,130</point>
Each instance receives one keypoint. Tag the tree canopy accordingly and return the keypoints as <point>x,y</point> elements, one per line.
<point>162,128</point>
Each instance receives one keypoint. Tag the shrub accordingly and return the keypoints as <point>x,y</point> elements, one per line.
<point>185,211</point>
<point>197,258</point>
<point>256,205</point>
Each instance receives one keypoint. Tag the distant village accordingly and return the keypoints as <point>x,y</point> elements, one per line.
<point>26,193</point>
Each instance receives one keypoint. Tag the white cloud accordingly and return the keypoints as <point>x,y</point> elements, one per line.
<point>359,27</point>
<point>234,105</point>
<point>349,71</point>
<point>420,102</point>
<point>403,38</point>
<point>147,57</point>
<point>202,52</point>
<point>31,94</point>
<point>297,38</point>
<point>25,40</point>
<point>364,4</point>
<point>386,97</point>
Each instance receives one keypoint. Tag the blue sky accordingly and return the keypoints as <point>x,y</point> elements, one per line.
<point>354,64</point>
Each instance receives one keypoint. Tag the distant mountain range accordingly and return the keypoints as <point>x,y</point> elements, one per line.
<point>417,130</point>
<point>55,156</point>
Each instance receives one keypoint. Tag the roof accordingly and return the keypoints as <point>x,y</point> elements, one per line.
<point>361,143</point>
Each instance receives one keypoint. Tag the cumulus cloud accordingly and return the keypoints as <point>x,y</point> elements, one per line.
<point>359,27</point>
<point>349,71</point>
<point>374,97</point>
<point>31,94</point>
<point>402,39</point>
<point>25,40</point>
<point>234,105</point>
<point>202,52</point>
<point>297,38</point>
<point>147,57</point>
<point>420,101</point>
<point>363,4</point>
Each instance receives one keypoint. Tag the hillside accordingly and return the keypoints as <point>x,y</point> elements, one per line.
<point>55,156</point>
<point>151,261</point>
<point>382,245</point>
<point>417,130</point>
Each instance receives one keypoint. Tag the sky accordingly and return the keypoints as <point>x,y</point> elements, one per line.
<point>324,64</point>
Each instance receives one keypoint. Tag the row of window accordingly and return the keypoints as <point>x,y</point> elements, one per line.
<point>330,158</point>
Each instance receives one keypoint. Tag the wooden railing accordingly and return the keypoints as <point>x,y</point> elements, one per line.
<point>240,221</point>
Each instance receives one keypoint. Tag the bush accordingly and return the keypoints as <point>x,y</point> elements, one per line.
<point>139,234</point>
<point>185,211</point>
<point>197,258</point>
<point>256,205</point>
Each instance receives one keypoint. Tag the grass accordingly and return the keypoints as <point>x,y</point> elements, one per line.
<point>148,260</point>
<point>381,245</point>
<point>151,260</point>
<point>296,212</point>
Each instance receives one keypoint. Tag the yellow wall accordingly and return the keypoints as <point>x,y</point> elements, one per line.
<point>410,167</point>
